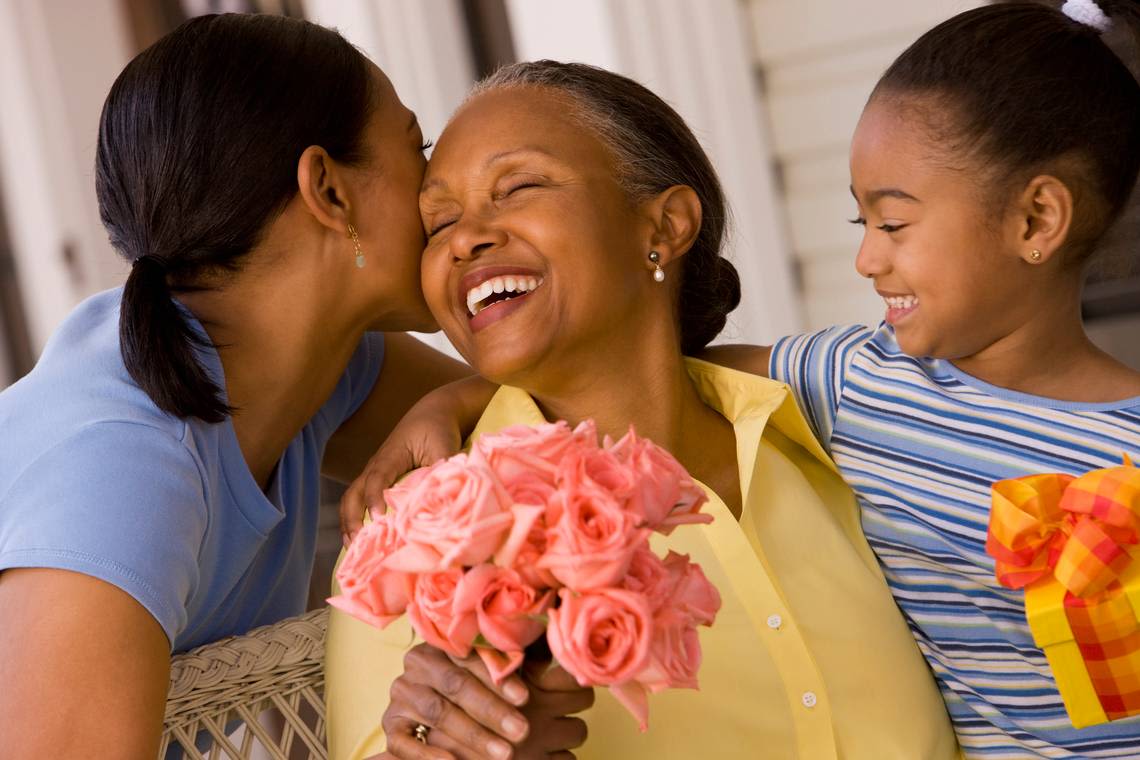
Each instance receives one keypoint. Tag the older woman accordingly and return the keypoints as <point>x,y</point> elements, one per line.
<point>594,198</point>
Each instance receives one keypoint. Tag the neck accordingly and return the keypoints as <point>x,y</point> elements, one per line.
<point>282,355</point>
<point>1050,355</point>
<point>642,381</point>
<point>655,398</point>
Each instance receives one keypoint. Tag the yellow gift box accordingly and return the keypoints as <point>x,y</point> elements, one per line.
<point>1073,544</point>
<point>1045,610</point>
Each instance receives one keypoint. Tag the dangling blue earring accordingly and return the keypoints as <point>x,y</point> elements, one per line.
<point>356,247</point>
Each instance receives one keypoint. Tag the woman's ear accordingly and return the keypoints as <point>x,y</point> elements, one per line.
<point>320,182</point>
<point>675,216</point>
<point>1046,217</point>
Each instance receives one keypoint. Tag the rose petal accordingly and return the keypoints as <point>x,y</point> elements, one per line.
<point>414,558</point>
<point>525,517</point>
<point>499,664</point>
<point>634,698</point>
<point>361,612</point>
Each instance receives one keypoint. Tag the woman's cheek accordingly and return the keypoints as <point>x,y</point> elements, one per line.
<point>433,280</point>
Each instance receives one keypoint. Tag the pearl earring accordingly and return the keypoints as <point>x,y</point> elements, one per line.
<point>658,272</point>
<point>1035,255</point>
<point>356,247</point>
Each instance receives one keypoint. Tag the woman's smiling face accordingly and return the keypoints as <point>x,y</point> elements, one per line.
<point>534,249</point>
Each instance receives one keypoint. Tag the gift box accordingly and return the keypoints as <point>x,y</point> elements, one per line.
<point>1073,545</point>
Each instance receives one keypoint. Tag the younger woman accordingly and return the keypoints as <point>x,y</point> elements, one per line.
<point>160,466</point>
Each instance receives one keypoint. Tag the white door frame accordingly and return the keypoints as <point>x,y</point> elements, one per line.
<point>57,62</point>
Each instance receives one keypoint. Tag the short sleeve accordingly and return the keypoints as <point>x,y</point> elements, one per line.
<point>814,366</point>
<point>355,384</point>
<point>118,501</point>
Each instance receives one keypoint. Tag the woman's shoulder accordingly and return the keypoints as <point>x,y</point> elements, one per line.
<point>79,385</point>
<point>117,500</point>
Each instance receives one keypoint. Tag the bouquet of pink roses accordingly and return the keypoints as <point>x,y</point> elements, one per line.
<point>542,530</point>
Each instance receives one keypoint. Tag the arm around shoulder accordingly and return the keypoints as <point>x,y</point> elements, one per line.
<point>751,359</point>
<point>85,668</point>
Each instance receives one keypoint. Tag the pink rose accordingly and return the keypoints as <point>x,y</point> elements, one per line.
<point>526,545</point>
<point>368,590</point>
<point>455,514</point>
<point>602,638</point>
<point>591,537</point>
<point>603,468</point>
<point>548,441</point>
<point>666,495</point>
<point>693,594</point>
<point>529,488</point>
<point>508,612</point>
<point>437,618</point>
<point>650,576</point>
<point>674,654</point>
<point>522,451</point>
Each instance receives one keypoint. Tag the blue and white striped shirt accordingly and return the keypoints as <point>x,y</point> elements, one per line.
<point>921,442</point>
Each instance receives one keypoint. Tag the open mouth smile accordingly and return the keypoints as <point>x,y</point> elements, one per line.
<point>500,289</point>
<point>899,307</point>
<point>489,294</point>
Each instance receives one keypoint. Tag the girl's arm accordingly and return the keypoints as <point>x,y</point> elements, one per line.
<point>85,668</point>
<point>751,359</point>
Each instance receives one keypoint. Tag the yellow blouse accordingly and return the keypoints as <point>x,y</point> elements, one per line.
<point>809,657</point>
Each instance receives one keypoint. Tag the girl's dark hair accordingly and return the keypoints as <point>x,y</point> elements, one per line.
<point>198,148</point>
<point>1029,91</point>
<point>654,150</point>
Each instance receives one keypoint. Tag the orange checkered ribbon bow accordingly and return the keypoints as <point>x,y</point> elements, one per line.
<point>1084,532</point>
<point>1078,529</point>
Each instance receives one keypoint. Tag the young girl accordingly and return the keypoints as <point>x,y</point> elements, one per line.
<point>992,157</point>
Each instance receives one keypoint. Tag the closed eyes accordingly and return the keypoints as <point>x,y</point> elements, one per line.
<point>887,228</point>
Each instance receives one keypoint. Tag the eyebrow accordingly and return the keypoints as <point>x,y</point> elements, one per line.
<point>413,122</point>
<point>885,192</point>
<point>431,184</point>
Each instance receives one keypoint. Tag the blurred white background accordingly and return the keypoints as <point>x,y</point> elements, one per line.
<point>772,87</point>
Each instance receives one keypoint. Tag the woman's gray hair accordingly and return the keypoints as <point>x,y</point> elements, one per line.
<point>652,149</point>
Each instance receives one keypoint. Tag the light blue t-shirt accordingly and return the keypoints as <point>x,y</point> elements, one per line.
<point>96,479</point>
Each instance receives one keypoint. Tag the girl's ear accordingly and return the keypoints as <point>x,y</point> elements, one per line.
<point>675,218</point>
<point>1045,211</point>
<point>321,184</point>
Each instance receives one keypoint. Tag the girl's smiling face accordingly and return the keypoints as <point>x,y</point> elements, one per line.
<point>535,255</point>
<point>947,263</point>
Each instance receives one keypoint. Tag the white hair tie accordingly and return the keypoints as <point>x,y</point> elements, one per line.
<point>1087,12</point>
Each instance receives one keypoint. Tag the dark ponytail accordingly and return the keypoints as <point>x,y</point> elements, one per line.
<point>155,323</point>
<point>198,148</point>
<point>654,150</point>
<point>1021,89</point>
